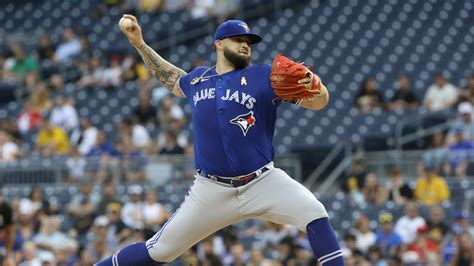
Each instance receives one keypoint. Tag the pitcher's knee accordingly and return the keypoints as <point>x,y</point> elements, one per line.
<point>163,253</point>
<point>312,211</point>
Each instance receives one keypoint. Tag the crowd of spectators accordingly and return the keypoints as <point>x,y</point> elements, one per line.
<point>439,96</point>
<point>95,223</point>
<point>416,237</point>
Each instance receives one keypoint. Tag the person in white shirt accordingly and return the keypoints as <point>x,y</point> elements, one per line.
<point>132,211</point>
<point>86,137</point>
<point>9,151</point>
<point>407,225</point>
<point>364,236</point>
<point>64,114</point>
<point>113,74</point>
<point>441,95</point>
<point>70,47</point>
<point>154,213</point>
<point>138,133</point>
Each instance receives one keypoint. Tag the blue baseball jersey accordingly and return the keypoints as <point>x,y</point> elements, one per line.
<point>233,118</point>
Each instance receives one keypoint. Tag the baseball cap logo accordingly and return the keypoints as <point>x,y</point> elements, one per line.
<point>245,26</point>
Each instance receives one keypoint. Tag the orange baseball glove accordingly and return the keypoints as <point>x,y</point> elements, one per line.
<point>285,77</point>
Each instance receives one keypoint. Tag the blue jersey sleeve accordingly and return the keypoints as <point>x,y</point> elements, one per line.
<point>185,81</point>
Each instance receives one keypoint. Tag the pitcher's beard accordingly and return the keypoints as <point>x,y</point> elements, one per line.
<point>239,61</point>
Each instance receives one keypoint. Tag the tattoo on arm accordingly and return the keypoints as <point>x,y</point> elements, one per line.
<point>163,70</point>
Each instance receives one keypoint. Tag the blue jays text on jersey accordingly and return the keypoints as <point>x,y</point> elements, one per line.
<point>233,118</point>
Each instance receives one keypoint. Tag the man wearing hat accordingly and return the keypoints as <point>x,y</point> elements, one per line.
<point>465,121</point>
<point>387,239</point>
<point>234,109</point>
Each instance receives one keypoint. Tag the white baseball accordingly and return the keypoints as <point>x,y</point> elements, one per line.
<point>125,23</point>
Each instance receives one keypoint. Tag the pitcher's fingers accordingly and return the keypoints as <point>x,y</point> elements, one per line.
<point>132,17</point>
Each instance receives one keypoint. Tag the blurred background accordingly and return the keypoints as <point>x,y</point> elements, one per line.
<point>95,154</point>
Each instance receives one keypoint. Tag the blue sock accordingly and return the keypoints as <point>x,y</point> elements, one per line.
<point>324,243</point>
<point>135,254</point>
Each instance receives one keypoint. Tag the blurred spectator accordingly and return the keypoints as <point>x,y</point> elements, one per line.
<point>50,238</point>
<point>23,63</point>
<point>83,218</point>
<point>369,97</point>
<point>86,195</point>
<point>9,151</point>
<point>100,230</point>
<point>69,47</point>
<point>108,197</point>
<point>356,179</point>
<point>441,95</point>
<point>56,82</point>
<point>459,154</point>
<point>374,193</point>
<point>104,158</point>
<point>99,250</point>
<point>132,161</point>
<point>170,111</point>
<point>430,188</point>
<point>407,225</point>
<point>350,247</point>
<point>64,114</point>
<point>137,133</point>
<point>364,236</point>
<point>92,75</point>
<point>404,98</point>
<point>435,155</point>
<point>257,258</point>
<point>52,140</point>
<point>144,113</point>
<point>464,120</point>
<point>45,48</point>
<point>225,9</point>
<point>76,165</point>
<point>375,257</point>
<point>462,223</point>
<point>464,254</point>
<point>132,212</point>
<point>116,226</point>
<point>8,125</point>
<point>437,227</point>
<point>149,6</point>
<point>202,8</point>
<point>171,147</point>
<point>29,118</point>
<point>112,76</point>
<point>423,248</point>
<point>28,207</point>
<point>467,93</point>
<point>387,239</point>
<point>154,213</point>
<point>85,137</point>
<point>7,230</point>
<point>30,257</point>
<point>30,83</point>
<point>40,98</point>
<point>398,190</point>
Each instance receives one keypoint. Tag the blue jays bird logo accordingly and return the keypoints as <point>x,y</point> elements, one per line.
<point>245,26</point>
<point>244,121</point>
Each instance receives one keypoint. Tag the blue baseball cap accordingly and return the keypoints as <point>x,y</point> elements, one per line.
<point>231,28</point>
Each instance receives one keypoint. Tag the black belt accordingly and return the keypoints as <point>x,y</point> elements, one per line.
<point>237,181</point>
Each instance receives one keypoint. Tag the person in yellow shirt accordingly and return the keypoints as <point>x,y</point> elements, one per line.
<point>52,140</point>
<point>430,188</point>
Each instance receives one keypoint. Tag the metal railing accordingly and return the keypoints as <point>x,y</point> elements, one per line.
<point>155,170</point>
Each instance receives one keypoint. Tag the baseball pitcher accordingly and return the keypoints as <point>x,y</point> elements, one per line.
<point>234,106</point>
